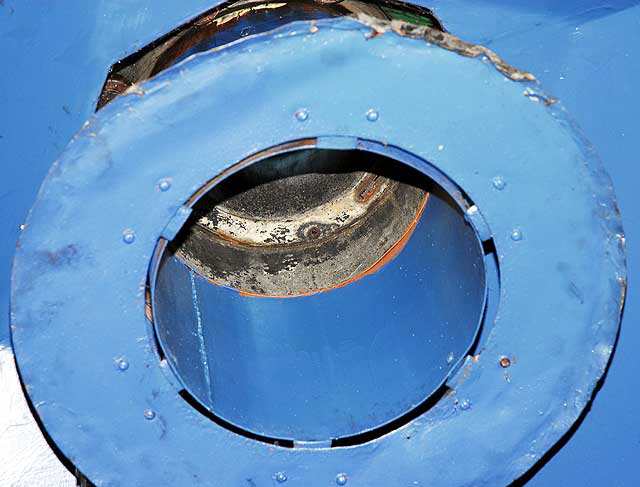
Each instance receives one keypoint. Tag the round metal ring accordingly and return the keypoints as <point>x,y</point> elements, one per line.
<point>78,297</point>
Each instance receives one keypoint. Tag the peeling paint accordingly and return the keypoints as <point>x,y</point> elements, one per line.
<point>444,40</point>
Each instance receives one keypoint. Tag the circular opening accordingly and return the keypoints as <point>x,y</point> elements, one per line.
<point>319,294</point>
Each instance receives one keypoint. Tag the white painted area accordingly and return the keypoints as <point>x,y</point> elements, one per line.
<point>26,459</point>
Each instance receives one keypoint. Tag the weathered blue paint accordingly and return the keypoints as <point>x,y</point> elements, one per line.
<point>560,284</point>
<point>587,57</point>
<point>604,450</point>
<point>336,363</point>
<point>56,57</point>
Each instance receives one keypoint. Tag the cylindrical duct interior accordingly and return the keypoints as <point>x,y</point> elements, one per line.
<point>319,294</point>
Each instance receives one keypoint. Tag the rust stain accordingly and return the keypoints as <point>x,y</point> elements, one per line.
<point>373,34</point>
<point>446,41</point>
<point>148,310</point>
<point>368,188</point>
<point>465,373</point>
<point>155,261</point>
<point>162,243</point>
<point>232,240</point>
<point>388,256</point>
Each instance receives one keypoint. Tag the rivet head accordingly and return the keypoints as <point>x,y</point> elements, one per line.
<point>149,414</point>
<point>313,232</point>
<point>128,236</point>
<point>342,479</point>
<point>505,362</point>
<point>164,185</point>
<point>516,235</point>
<point>302,115</point>
<point>450,358</point>
<point>121,364</point>
<point>280,477</point>
<point>373,115</point>
<point>499,183</point>
<point>465,404</point>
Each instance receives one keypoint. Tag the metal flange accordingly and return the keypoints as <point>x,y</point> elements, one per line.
<point>78,297</point>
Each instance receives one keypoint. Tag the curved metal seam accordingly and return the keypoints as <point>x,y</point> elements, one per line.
<point>389,255</point>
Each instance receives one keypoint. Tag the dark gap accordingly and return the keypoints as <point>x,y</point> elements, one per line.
<point>489,247</point>
<point>206,31</point>
<point>336,443</point>
<point>494,256</point>
<point>195,404</point>
<point>395,424</point>
<point>148,302</point>
<point>483,323</point>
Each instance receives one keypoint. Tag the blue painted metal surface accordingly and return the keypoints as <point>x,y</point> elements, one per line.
<point>336,363</point>
<point>534,35</point>
<point>526,412</point>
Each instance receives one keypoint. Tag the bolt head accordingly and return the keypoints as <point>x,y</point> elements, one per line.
<point>302,115</point>
<point>342,479</point>
<point>373,115</point>
<point>516,235</point>
<point>149,414</point>
<point>164,185</point>
<point>280,477</point>
<point>499,183</point>
<point>505,362</point>
<point>122,364</point>
<point>128,236</point>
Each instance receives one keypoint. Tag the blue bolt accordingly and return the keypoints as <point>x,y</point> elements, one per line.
<point>451,358</point>
<point>122,364</point>
<point>372,115</point>
<point>302,115</point>
<point>281,477</point>
<point>128,236</point>
<point>499,183</point>
<point>149,414</point>
<point>465,404</point>
<point>342,479</point>
<point>164,185</point>
<point>516,235</point>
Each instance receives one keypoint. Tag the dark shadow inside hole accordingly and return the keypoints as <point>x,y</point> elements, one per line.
<point>233,20</point>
